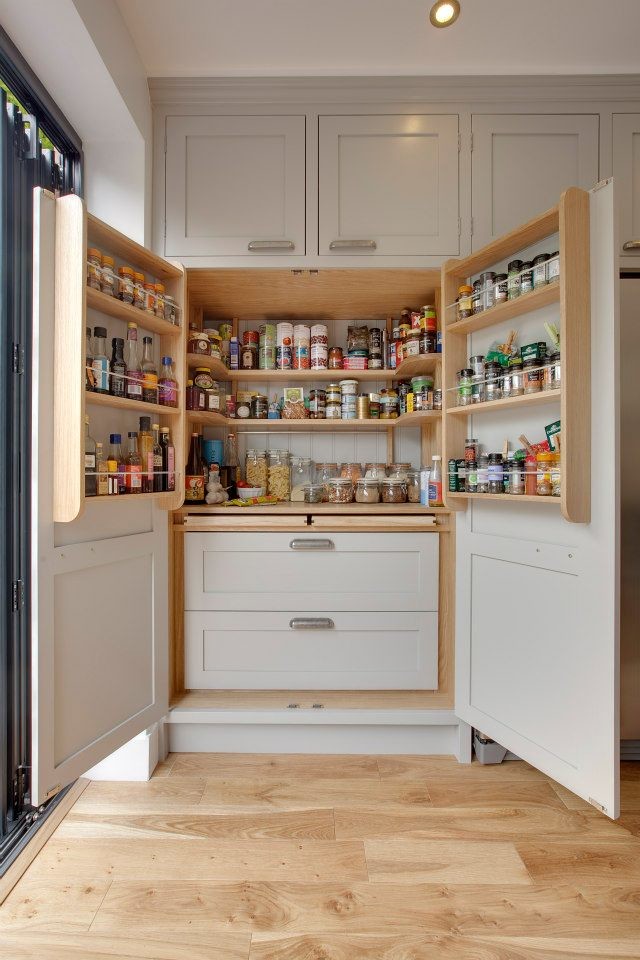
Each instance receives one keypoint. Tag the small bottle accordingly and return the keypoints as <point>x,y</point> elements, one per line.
<point>132,466</point>
<point>102,472</point>
<point>194,474</point>
<point>435,482</point>
<point>89,380</point>
<point>132,363</point>
<point>231,464</point>
<point>100,362</point>
<point>168,461</point>
<point>118,379</point>
<point>149,373</point>
<point>167,385</point>
<point>157,459</point>
<point>115,466</point>
<point>90,485</point>
<point>145,449</point>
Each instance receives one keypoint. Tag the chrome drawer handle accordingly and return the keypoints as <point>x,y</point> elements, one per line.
<point>353,245</point>
<point>271,245</point>
<point>312,545</point>
<point>312,623</point>
<point>631,245</point>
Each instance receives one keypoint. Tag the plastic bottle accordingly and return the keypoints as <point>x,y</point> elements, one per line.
<point>132,363</point>
<point>435,482</point>
<point>167,385</point>
<point>145,449</point>
<point>100,361</point>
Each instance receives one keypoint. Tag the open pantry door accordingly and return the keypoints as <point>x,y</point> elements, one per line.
<point>98,593</point>
<point>537,597</point>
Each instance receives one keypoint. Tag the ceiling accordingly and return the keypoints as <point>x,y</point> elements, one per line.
<point>200,38</point>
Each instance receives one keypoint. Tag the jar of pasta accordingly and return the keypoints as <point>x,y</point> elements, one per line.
<point>279,475</point>
<point>255,469</point>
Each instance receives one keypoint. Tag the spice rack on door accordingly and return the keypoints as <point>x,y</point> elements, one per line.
<point>76,230</point>
<point>570,218</point>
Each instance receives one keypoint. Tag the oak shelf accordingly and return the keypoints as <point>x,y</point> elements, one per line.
<point>414,366</point>
<point>504,498</point>
<point>507,310</point>
<point>302,509</point>
<point>103,236</point>
<point>417,418</point>
<point>122,403</point>
<point>120,498</point>
<point>529,399</point>
<point>113,307</point>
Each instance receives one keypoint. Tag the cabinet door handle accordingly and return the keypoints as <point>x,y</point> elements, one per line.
<point>312,623</point>
<point>312,545</point>
<point>631,245</point>
<point>353,245</point>
<point>271,245</point>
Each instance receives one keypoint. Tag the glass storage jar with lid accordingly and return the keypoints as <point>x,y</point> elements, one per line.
<point>108,283</point>
<point>393,490</point>
<point>313,493</point>
<point>399,470</point>
<point>94,268</point>
<point>351,470</point>
<point>367,490</point>
<point>256,468</point>
<point>413,486</point>
<point>339,490</point>
<point>326,471</point>
<point>301,477</point>
<point>375,471</point>
<point>279,475</point>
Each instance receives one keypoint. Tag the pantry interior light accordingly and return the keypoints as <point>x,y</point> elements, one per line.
<point>444,13</point>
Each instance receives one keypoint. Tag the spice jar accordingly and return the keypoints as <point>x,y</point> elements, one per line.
<point>496,474</point>
<point>472,476</point>
<point>554,373</point>
<point>279,475</point>
<point>471,449</point>
<point>544,462</point>
<point>556,476</point>
<point>150,298</point>
<point>313,493</point>
<point>317,404</point>
<point>488,279</point>
<point>465,305</point>
<point>367,490</point>
<point>413,486</point>
<point>160,300</point>
<point>339,490</point>
<point>393,490</point>
<point>256,468</point>
<point>513,281</point>
<point>138,290</point>
<point>326,471</point>
<point>108,277</point>
<point>125,284</point>
<point>530,476</point>
<point>540,270</point>
<point>526,279</point>
<point>94,268</point>
<point>513,380</point>
<point>532,376</point>
<point>501,289</point>
<point>171,310</point>
<point>516,477</point>
<point>464,380</point>
<point>335,358</point>
<point>553,267</point>
<point>493,381</point>
<point>483,474</point>
<point>477,298</point>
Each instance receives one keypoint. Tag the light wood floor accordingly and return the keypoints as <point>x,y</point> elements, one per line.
<point>223,857</point>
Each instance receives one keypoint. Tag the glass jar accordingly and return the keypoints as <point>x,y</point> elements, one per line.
<point>333,393</point>
<point>483,474</point>
<point>108,283</point>
<point>556,476</point>
<point>138,290</point>
<point>374,406</point>
<point>555,372</point>
<point>339,490</point>
<point>472,476</point>
<point>301,477</point>
<point>94,268</point>
<point>198,343</point>
<point>255,470</point>
<point>530,476</point>
<point>399,470</point>
<point>516,477</point>
<point>526,280</point>
<point>496,473</point>
<point>413,486</point>
<point>493,381</point>
<point>464,380</point>
<point>516,378</point>
<point>501,289</point>
<point>279,475</point>
<point>249,356</point>
<point>213,399</point>
<point>465,303</point>
<point>313,493</point>
<point>471,449</point>
<point>171,310</point>
<point>411,346</point>
<point>393,490</point>
<point>202,378</point>
<point>125,284</point>
<point>540,270</point>
<point>513,281</point>
<point>351,470</point>
<point>488,279</point>
<point>532,376</point>
<point>461,466</point>
<point>317,404</point>
<point>375,471</point>
<point>150,299</point>
<point>367,490</point>
<point>477,298</point>
<point>544,463</point>
<point>335,358</point>
<point>326,471</point>
<point>388,404</point>
<point>160,301</point>
<point>259,406</point>
<point>553,267</point>
<point>195,398</point>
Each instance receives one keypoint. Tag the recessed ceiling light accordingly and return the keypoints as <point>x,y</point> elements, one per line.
<point>444,13</point>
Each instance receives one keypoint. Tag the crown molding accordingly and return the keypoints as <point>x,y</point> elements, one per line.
<point>167,91</point>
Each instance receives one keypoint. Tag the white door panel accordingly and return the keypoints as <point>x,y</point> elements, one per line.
<point>626,171</point>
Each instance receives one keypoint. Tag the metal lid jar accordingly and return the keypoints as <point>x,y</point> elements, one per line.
<point>339,490</point>
<point>393,490</point>
<point>367,490</point>
<point>256,468</point>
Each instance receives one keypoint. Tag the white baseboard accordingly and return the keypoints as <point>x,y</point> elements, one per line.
<point>135,760</point>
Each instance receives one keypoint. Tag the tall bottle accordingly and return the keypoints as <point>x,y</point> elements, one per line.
<point>435,482</point>
<point>90,485</point>
<point>100,362</point>
<point>230,470</point>
<point>132,363</point>
<point>149,373</point>
<point>194,474</point>
<point>168,460</point>
<point>116,466</point>
<point>118,379</point>
<point>167,385</point>
<point>157,460</point>
<point>145,449</point>
<point>133,466</point>
<point>89,379</point>
<point>102,472</point>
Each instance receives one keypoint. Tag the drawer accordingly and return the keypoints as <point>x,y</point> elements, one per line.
<point>337,571</point>
<point>280,651</point>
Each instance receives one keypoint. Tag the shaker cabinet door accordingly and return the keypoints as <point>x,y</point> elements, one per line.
<point>235,186</point>
<point>388,186</point>
<point>626,173</point>
<point>521,165</point>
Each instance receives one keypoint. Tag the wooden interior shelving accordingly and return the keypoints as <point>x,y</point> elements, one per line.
<point>166,498</point>
<point>135,406</point>
<point>506,403</point>
<point>504,498</point>
<point>112,307</point>
<point>506,310</point>
<point>297,509</point>
<point>417,418</point>
<point>413,367</point>
<point>105,237</point>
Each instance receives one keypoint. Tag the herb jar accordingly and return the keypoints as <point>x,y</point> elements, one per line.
<point>326,471</point>
<point>255,468</point>
<point>553,267</point>
<point>150,299</point>
<point>393,490</point>
<point>471,449</point>
<point>94,268</point>
<point>483,474</point>
<point>335,358</point>
<point>388,404</point>
<point>493,381</point>
<point>554,372</point>
<point>367,490</point>
<point>526,280</point>
<point>495,473</point>
<point>428,342</point>
<point>516,477</point>
<point>138,290</point>
<point>313,493</point>
<point>413,486</point>
<point>108,283</point>
<point>477,298</point>
<point>339,490</point>
<point>198,343</point>
<point>540,270</point>
<point>171,310</point>
<point>461,467</point>
<point>464,392</point>
<point>478,391</point>
<point>160,295</point>
<point>125,284</point>
<point>501,289</point>
<point>530,476</point>
<point>513,280</point>
<point>544,462</point>
<point>317,404</point>
<point>472,476</point>
<point>465,303</point>
<point>516,378</point>
<point>532,376</point>
<point>259,406</point>
<point>279,475</point>
<point>488,279</point>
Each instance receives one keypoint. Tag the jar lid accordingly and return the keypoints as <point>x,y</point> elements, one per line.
<point>94,252</point>
<point>312,488</point>
<point>465,288</point>
<point>526,264</point>
<point>345,382</point>
<point>514,265</point>
<point>159,287</point>
<point>367,481</point>
<point>139,276</point>
<point>392,481</point>
<point>202,369</point>
<point>125,271</point>
<point>340,481</point>
<point>107,261</point>
<point>541,258</point>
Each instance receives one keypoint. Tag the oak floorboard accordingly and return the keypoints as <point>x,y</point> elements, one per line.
<point>162,792</point>
<point>171,859</point>
<point>277,824</point>
<point>444,861</point>
<point>582,861</point>
<point>52,904</point>
<point>288,766</point>
<point>428,768</point>
<point>163,768</point>
<point>126,945</point>
<point>447,792</point>
<point>299,795</point>
<point>571,800</point>
<point>630,822</point>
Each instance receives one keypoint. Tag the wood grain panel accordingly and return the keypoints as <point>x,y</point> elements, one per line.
<point>335,699</point>
<point>159,791</point>
<point>291,766</point>
<point>52,905</point>
<point>423,768</point>
<point>582,862</point>
<point>444,861</point>
<point>381,946</point>
<point>122,946</point>
<point>304,795</point>
<point>527,793</point>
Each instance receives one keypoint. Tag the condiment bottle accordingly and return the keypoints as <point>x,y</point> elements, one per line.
<point>145,449</point>
<point>118,379</point>
<point>89,380</point>
<point>102,486</point>
<point>231,464</point>
<point>167,385</point>
<point>168,460</point>
<point>435,482</point>
<point>100,362</point>
<point>132,363</point>
<point>116,466</point>
<point>132,465</point>
<point>149,373</point>
<point>194,474</point>
<point>90,485</point>
<point>157,459</point>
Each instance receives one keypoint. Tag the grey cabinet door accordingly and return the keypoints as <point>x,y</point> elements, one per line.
<point>389,185</point>
<point>626,173</point>
<point>235,186</point>
<point>521,165</point>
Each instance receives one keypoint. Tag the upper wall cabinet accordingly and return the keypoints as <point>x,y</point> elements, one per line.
<point>521,164</point>
<point>235,186</point>
<point>626,172</point>
<point>389,186</point>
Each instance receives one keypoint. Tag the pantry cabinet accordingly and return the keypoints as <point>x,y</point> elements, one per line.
<point>235,186</point>
<point>521,164</point>
<point>626,172</point>
<point>388,186</point>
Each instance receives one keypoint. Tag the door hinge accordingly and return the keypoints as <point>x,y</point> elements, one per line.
<point>17,595</point>
<point>598,806</point>
<point>21,786</point>
<point>18,358</point>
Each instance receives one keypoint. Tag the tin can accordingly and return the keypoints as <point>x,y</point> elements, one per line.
<point>362,407</point>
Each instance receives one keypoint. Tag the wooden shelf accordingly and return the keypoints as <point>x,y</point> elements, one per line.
<point>503,498</point>
<point>529,399</point>
<point>122,403</point>
<point>208,419</point>
<point>120,498</point>
<point>415,419</point>
<point>113,307</point>
<point>111,241</point>
<point>413,367</point>
<point>507,310</point>
<point>337,509</point>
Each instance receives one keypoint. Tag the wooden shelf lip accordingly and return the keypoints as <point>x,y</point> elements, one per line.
<point>414,366</point>
<point>528,399</point>
<point>416,418</point>
<point>102,235</point>
<point>113,307</point>
<point>507,310</point>
<point>131,496</point>
<point>208,419</point>
<point>330,509</point>
<point>503,498</point>
<point>122,403</point>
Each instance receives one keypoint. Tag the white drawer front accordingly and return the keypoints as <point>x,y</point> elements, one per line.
<point>350,651</point>
<point>283,571</point>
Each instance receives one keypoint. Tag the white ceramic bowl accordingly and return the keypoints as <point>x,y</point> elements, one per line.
<point>245,493</point>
